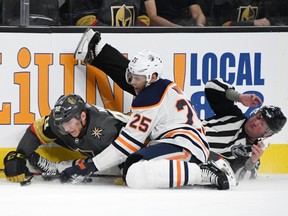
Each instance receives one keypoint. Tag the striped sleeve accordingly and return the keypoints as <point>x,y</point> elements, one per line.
<point>127,144</point>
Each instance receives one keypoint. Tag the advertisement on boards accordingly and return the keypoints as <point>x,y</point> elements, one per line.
<point>36,69</point>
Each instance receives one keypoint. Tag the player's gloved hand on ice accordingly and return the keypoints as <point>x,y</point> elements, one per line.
<point>78,173</point>
<point>15,167</point>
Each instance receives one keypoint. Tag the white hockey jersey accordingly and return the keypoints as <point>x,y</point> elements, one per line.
<point>163,113</point>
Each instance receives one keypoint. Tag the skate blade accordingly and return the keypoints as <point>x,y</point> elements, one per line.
<point>79,54</point>
<point>225,167</point>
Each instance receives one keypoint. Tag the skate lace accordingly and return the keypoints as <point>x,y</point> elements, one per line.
<point>209,177</point>
<point>47,166</point>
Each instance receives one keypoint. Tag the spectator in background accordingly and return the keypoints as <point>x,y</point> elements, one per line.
<point>117,13</point>
<point>175,13</point>
<point>276,11</point>
<point>235,12</point>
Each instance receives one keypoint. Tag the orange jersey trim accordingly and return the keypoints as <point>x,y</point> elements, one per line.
<point>178,168</point>
<point>125,143</point>
<point>171,133</point>
<point>182,156</point>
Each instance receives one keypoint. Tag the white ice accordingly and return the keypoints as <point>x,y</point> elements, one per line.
<point>265,196</point>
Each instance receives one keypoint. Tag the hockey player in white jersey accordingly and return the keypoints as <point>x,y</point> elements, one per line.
<point>177,152</point>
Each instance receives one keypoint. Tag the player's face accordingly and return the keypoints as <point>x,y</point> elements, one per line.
<point>138,82</point>
<point>73,127</point>
<point>256,126</point>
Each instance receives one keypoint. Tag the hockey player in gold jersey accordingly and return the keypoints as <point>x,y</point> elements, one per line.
<point>73,124</point>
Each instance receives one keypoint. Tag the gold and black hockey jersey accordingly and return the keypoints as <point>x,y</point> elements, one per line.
<point>101,128</point>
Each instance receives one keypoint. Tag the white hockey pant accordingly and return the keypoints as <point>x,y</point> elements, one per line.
<point>162,174</point>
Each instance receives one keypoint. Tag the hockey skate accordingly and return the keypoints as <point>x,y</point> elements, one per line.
<point>224,166</point>
<point>86,49</point>
<point>212,175</point>
<point>45,167</point>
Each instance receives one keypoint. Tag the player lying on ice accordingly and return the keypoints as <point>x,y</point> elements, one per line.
<point>229,132</point>
<point>178,151</point>
<point>106,62</point>
<point>72,124</point>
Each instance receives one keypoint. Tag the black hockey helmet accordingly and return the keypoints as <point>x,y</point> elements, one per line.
<point>68,107</point>
<point>274,118</point>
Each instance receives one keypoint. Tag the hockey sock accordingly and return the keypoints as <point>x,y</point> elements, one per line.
<point>162,174</point>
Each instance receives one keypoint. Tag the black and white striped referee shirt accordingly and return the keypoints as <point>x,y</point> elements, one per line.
<point>225,130</point>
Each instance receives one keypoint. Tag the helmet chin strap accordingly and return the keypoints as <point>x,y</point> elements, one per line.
<point>83,123</point>
<point>147,84</point>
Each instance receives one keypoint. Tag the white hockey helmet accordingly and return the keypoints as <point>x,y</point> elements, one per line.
<point>145,63</point>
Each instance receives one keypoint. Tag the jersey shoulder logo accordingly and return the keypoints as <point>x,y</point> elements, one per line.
<point>239,150</point>
<point>97,132</point>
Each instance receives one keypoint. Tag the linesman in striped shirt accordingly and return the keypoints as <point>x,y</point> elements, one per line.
<point>234,136</point>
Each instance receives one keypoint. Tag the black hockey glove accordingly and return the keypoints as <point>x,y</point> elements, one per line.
<point>15,167</point>
<point>78,173</point>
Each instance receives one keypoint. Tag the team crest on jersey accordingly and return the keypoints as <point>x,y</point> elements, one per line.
<point>97,132</point>
<point>247,13</point>
<point>122,15</point>
<point>239,150</point>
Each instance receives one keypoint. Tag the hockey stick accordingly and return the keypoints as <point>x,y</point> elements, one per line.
<point>57,175</point>
<point>44,175</point>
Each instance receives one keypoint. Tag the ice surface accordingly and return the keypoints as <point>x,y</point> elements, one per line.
<point>265,196</point>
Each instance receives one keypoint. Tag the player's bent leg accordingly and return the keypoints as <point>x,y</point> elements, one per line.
<point>110,60</point>
<point>42,164</point>
<point>136,177</point>
<point>162,174</point>
<point>113,64</point>
<point>87,46</point>
<point>50,168</point>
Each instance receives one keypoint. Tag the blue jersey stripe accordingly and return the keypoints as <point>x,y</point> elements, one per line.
<point>171,173</point>
<point>186,178</point>
<point>192,141</point>
<point>120,149</point>
<point>132,140</point>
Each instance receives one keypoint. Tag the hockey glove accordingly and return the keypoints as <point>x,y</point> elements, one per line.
<point>78,173</point>
<point>15,167</point>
